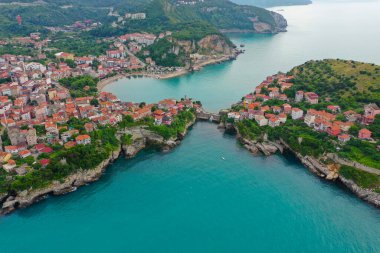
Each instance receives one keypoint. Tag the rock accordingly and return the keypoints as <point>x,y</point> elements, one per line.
<point>332,175</point>
<point>8,206</point>
<point>221,126</point>
<point>251,148</point>
<point>215,44</point>
<point>367,195</point>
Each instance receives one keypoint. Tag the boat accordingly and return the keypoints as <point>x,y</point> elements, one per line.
<point>223,158</point>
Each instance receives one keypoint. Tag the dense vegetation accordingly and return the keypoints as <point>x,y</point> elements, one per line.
<point>177,127</point>
<point>80,86</point>
<point>163,54</point>
<point>272,3</point>
<point>296,134</point>
<point>162,15</point>
<point>63,161</point>
<point>347,83</point>
<point>79,45</point>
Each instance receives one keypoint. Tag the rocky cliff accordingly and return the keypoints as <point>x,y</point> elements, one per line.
<point>329,172</point>
<point>215,44</point>
<point>71,183</point>
<point>142,138</point>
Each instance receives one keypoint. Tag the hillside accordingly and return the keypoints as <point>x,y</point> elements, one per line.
<point>326,112</point>
<point>161,15</point>
<point>272,3</point>
<point>349,83</point>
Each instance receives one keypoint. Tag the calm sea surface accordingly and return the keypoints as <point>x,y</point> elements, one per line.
<point>191,200</point>
<point>326,29</point>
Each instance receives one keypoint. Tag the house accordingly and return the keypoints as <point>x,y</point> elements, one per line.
<point>83,139</point>
<point>276,109</point>
<point>299,96</point>
<point>51,127</point>
<point>287,108</point>
<point>274,122</point>
<point>89,127</point>
<point>365,134</point>
<point>115,53</point>
<point>4,157</point>
<point>334,130</point>
<point>310,117</point>
<point>371,110</point>
<point>47,150</point>
<point>158,120</point>
<point>344,138</point>
<point>311,98</point>
<point>334,108</point>
<point>44,162</point>
<point>11,149</point>
<point>282,117</point>
<point>261,120</point>
<point>65,56</point>
<point>24,153</point>
<point>352,116</point>
<point>10,165</point>
<point>70,144</point>
<point>297,113</point>
<point>166,104</point>
<point>167,120</point>
<point>234,115</point>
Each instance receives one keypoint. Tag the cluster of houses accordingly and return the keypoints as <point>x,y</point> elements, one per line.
<point>34,100</point>
<point>119,57</point>
<point>253,107</point>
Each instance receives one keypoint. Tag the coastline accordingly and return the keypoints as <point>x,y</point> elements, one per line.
<point>313,165</point>
<point>10,203</point>
<point>197,67</point>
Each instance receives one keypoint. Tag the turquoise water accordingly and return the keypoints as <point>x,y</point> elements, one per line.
<point>325,29</point>
<point>190,200</point>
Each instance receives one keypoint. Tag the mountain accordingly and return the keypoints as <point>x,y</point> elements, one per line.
<point>272,3</point>
<point>161,15</point>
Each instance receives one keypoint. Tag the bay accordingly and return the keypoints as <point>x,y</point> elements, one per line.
<point>191,200</point>
<point>342,29</point>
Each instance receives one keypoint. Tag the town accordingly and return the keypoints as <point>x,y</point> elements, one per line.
<point>120,57</point>
<point>331,120</point>
<point>37,112</point>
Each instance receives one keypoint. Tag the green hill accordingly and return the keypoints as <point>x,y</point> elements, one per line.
<point>161,15</point>
<point>351,84</point>
<point>272,3</point>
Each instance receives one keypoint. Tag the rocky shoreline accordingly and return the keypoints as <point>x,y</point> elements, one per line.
<point>142,138</point>
<point>330,173</point>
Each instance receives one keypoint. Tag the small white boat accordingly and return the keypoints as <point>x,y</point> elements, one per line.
<point>223,158</point>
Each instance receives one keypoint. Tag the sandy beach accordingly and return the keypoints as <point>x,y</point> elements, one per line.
<point>197,66</point>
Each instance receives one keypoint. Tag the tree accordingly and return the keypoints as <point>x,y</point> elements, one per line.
<point>94,102</point>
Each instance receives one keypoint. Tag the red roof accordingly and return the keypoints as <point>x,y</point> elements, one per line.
<point>365,131</point>
<point>47,150</point>
<point>44,162</point>
<point>40,146</point>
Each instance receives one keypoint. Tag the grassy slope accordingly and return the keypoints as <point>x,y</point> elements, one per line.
<point>349,83</point>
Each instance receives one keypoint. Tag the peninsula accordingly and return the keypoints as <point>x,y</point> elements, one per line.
<point>326,113</point>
